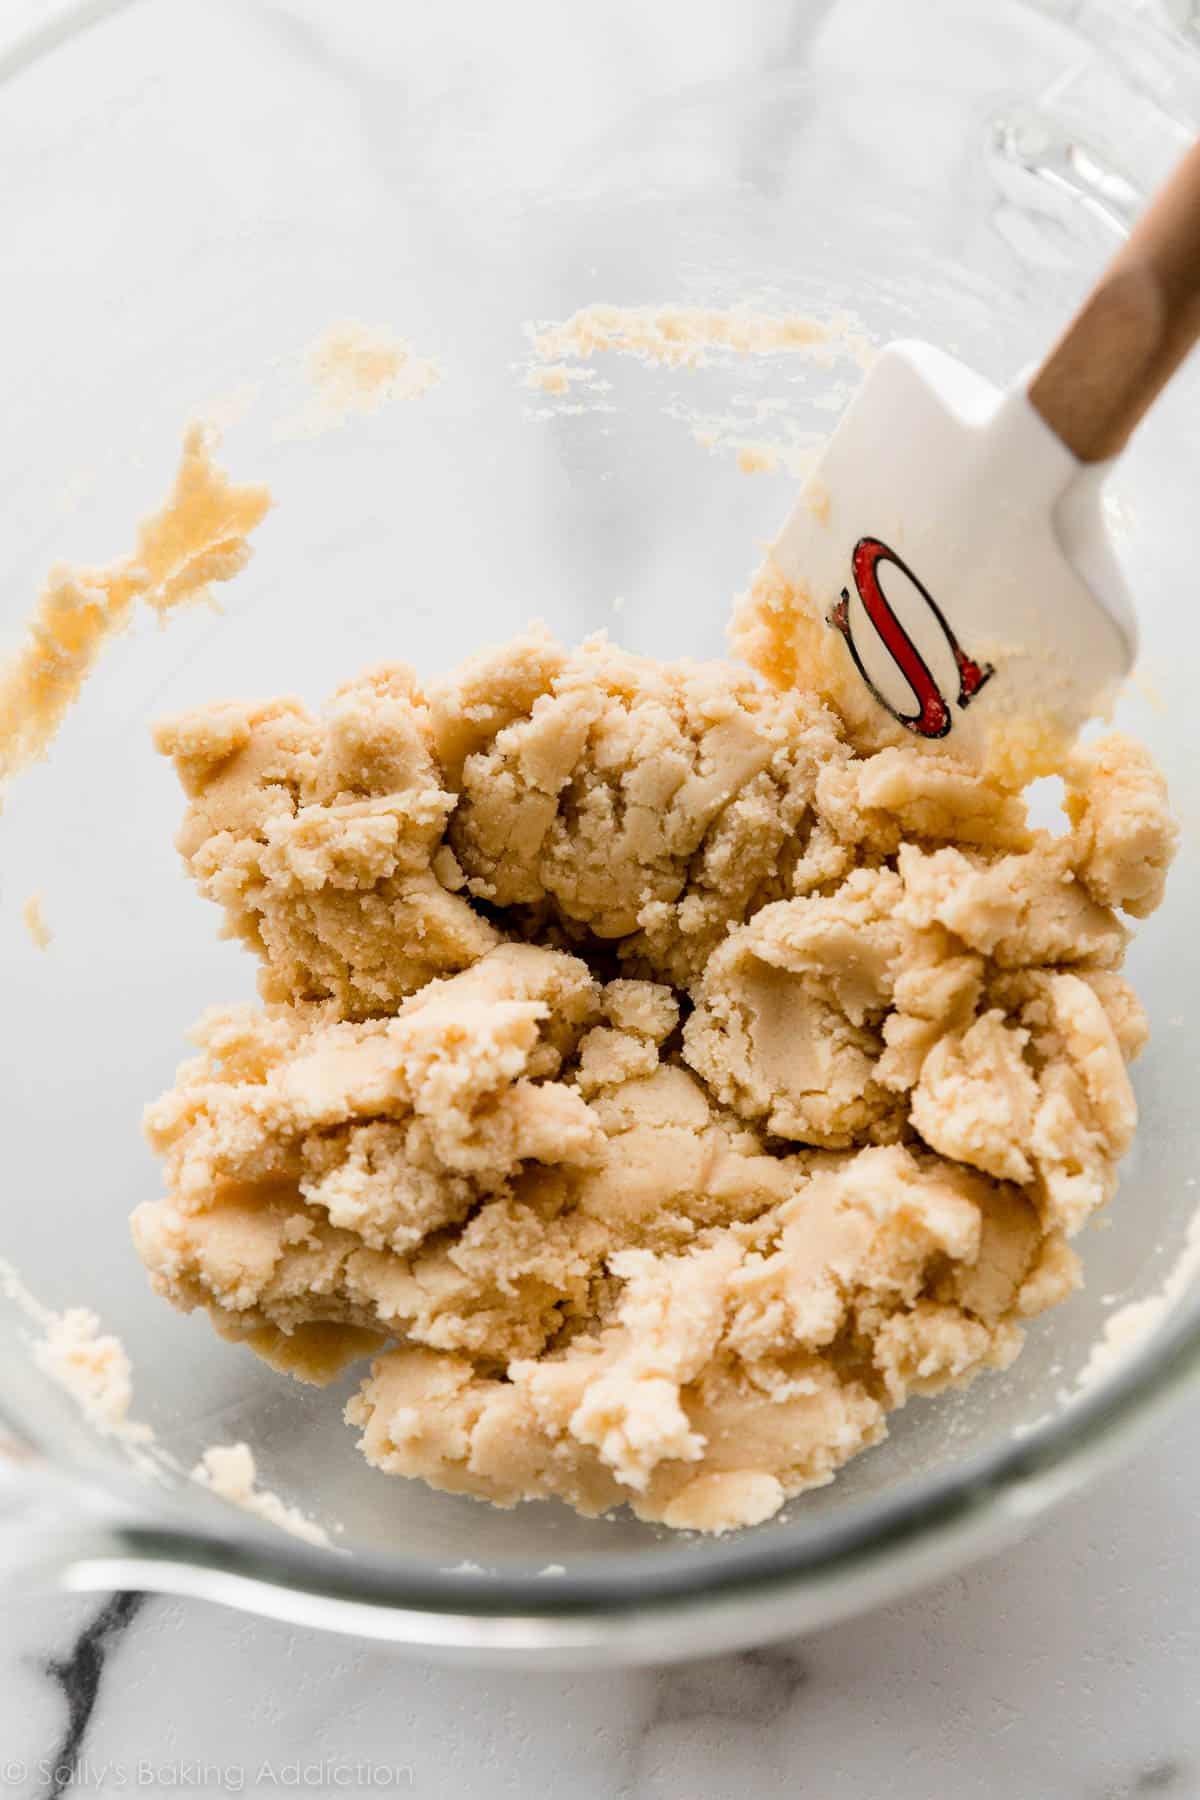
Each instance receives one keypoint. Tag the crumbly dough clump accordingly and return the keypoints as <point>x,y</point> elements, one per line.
<point>659,1085</point>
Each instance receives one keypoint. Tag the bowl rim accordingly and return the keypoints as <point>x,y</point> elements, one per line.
<point>162,1541</point>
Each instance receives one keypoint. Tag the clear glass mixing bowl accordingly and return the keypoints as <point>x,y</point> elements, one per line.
<point>196,189</point>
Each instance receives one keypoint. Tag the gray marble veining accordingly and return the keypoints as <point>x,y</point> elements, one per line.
<point>79,1676</point>
<point>1067,1667</point>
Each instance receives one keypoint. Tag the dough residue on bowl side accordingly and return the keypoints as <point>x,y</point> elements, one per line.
<point>354,368</point>
<point>198,537</point>
<point>230,1471</point>
<point>34,918</point>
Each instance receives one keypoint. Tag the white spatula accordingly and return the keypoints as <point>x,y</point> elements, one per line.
<point>952,543</point>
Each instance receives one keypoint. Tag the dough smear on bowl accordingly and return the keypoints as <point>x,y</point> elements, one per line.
<point>657,1086</point>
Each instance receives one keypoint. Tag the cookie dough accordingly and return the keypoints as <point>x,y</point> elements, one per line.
<point>660,1085</point>
<point>354,369</point>
<point>198,537</point>
<point>230,1471</point>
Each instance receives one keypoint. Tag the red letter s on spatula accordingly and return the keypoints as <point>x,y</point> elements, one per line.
<point>933,717</point>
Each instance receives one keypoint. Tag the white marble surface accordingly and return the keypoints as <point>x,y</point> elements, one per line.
<point>1069,1666</point>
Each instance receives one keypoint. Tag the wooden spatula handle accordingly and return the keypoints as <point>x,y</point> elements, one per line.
<point>1134,329</point>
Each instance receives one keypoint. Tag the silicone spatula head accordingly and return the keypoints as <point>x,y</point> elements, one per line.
<point>951,554</point>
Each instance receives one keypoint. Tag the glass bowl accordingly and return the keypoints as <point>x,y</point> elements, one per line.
<point>197,189</point>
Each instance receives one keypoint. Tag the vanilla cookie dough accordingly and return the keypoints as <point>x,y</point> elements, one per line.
<point>200,536</point>
<point>653,1084</point>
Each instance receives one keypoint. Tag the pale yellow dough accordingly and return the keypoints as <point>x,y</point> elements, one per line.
<point>198,537</point>
<point>660,1086</point>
